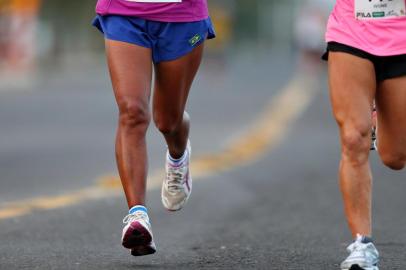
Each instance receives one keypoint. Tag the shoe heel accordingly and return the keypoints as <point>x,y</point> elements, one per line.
<point>136,237</point>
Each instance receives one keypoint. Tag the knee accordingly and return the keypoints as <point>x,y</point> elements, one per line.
<point>395,161</point>
<point>134,115</point>
<point>356,143</point>
<point>167,123</point>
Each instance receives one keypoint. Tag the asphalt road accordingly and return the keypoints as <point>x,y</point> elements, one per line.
<point>282,211</point>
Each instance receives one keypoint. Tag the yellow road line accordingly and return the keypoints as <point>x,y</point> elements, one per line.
<point>266,132</point>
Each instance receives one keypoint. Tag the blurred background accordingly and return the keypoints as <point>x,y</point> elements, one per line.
<point>264,142</point>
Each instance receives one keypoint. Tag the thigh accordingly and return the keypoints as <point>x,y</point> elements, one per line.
<point>391,106</point>
<point>352,90</point>
<point>173,80</point>
<point>130,69</point>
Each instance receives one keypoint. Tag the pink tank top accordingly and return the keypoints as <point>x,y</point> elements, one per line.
<point>377,27</point>
<point>156,10</point>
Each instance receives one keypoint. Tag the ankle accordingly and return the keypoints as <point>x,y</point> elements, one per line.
<point>177,159</point>
<point>137,208</point>
<point>365,239</point>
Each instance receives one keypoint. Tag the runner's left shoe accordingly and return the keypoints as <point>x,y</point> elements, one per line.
<point>137,234</point>
<point>177,185</point>
<point>363,256</point>
<point>374,145</point>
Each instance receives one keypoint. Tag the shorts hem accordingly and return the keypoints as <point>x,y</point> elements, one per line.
<point>333,46</point>
<point>132,42</point>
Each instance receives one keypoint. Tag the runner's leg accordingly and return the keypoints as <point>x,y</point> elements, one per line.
<point>131,71</point>
<point>173,81</point>
<point>391,103</point>
<point>352,89</point>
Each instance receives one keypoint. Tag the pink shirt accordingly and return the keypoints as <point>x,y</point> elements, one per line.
<point>381,37</point>
<point>185,11</point>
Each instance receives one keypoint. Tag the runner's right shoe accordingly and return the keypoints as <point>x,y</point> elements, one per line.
<point>363,256</point>
<point>137,234</point>
<point>177,185</point>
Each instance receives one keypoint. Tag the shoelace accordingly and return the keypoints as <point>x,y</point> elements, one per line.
<point>354,246</point>
<point>138,215</point>
<point>175,179</point>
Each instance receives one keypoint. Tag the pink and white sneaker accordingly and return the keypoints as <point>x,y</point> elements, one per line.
<point>374,145</point>
<point>137,234</point>
<point>177,185</point>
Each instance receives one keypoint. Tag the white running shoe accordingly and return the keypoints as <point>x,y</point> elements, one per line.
<point>137,234</point>
<point>363,256</point>
<point>374,145</point>
<point>177,185</point>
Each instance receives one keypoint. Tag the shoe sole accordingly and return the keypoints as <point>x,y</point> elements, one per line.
<point>143,250</point>
<point>139,240</point>
<point>357,267</point>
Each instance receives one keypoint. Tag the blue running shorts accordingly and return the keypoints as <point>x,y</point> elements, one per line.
<point>167,40</point>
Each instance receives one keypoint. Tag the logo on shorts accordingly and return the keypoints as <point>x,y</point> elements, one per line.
<point>195,39</point>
